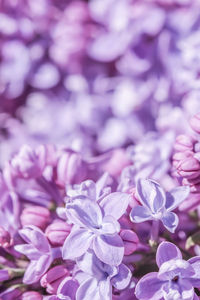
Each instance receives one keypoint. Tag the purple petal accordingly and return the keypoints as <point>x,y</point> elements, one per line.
<point>68,287</point>
<point>122,279</point>
<point>77,243</point>
<point>90,264</point>
<point>31,252</point>
<point>115,204</point>
<point>176,197</point>
<point>170,221</point>
<point>105,289</point>
<point>140,214</point>
<point>195,263</point>
<point>151,194</point>
<point>88,290</point>
<point>183,291</point>
<point>84,213</point>
<point>167,251</point>
<point>109,249</point>
<point>149,287</point>
<point>110,225</point>
<point>101,184</point>
<point>36,269</point>
<point>170,268</point>
<point>88,188</point>
<point>33,235</point>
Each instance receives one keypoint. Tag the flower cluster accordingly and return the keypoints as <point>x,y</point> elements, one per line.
<point>99,150</point>
<point>66,236</point>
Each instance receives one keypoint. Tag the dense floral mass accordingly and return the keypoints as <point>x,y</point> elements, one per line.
<point>100,150</point>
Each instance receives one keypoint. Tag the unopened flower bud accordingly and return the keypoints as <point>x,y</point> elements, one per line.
<point>5,238</point>
<point>189,167</point>
<point>116,163</point>
<point>53,278</point>
<point>70,168</point>
<point>184,143</point>
<point>35,215</point>
<point>130,240</point>
<point>57,232</point>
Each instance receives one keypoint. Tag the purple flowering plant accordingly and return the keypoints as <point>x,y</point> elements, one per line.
<point>99,150</point>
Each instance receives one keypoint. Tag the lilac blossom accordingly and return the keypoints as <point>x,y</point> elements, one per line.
<point>175,279</point>
<point>158,205</point>
<point>38,252</point>
<point>96,226</point>
<point>97,278</point>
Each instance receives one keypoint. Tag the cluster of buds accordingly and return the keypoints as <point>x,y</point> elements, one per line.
<point>186,161</point>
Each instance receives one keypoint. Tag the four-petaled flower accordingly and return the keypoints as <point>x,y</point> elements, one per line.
<point>97,278</point>
<point>176,278</point>
<point>37,250</point>
<point>158,204</point>
<point>96,227</point>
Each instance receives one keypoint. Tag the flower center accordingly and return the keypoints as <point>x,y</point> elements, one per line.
<point>175,279</point>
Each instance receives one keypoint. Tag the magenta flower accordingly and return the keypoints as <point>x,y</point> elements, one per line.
<point>158,205</point>
<point>176,278</point>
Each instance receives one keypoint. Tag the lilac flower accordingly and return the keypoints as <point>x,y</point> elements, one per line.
<point>98,278</point>
<point>37,250</point>
<point>176,278</point>
<point>158,205</point>
<point>96,226</point>
<point>148,162</point>
<point>29,163</point>
<point>91,190</point>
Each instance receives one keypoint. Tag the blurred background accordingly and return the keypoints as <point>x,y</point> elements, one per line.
<point>97,75</point>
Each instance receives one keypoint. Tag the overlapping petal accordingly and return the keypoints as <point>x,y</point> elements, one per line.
<point>149,287</point>
<point>115,204</point>
<point>151,194</point>
<point>109,249</point>
<point>77,243</point>
<point>167,251</point>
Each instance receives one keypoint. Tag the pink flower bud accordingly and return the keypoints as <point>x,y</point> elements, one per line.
<point>191,203</point>
<point>130,240</point>
<point>184,143</point>
<point>29,163</point>
<point>195,123</point>
<point>5,238</point>
<point>189,167</point>
<point>31,295</point>
<point>57,232</point>
<point>134,201</point>
<point>35,215</point>
<point>116,163</point>
<point>53,278</point>
<point>70,168</point>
